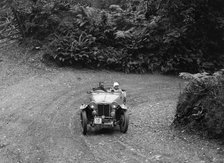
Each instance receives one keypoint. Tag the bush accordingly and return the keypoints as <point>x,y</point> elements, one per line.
<point>200,106</point>
<point>77,34</point>
<point>144,36</point>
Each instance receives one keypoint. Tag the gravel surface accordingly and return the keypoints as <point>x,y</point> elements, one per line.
<point>40,122</point>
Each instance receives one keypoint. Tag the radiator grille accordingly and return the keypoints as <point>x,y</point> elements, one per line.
<point>103,110</point>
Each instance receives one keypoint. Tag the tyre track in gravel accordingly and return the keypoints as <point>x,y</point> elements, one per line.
<point>71,107</point>
<point>59,126</point>
<point>109,149</point>
<point>51,116</point>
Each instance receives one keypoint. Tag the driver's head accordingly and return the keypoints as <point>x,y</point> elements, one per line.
<point>116,85</point>
<point>101,84</point>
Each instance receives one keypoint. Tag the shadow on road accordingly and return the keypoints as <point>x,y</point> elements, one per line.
<point>93,131</point>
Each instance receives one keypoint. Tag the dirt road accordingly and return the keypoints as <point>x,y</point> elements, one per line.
<point>39,122</point>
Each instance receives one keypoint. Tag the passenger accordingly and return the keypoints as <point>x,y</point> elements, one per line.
<point>116,87</point>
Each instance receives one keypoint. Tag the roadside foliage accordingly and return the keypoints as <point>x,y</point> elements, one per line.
<point>200,106</point>
<point>131,36</point>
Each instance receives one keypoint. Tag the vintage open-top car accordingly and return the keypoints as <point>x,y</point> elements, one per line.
<point>106,108</point>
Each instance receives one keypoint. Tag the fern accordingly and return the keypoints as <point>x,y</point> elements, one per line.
<point>200,106</point>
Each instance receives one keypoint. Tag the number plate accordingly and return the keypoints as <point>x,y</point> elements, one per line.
<point>98,121</point>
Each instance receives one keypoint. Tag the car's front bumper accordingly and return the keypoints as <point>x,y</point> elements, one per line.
<point>104,121</point>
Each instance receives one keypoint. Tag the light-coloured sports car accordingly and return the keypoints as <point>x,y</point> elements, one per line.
<point>106,108</point>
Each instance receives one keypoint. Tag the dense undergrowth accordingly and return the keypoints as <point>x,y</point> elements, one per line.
<point>140,36</point>
<point>201,105</point>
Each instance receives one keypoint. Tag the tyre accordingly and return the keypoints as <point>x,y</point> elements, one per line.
<point>124,122</point>
<point>84,122</point>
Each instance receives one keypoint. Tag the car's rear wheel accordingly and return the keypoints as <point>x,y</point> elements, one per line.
<point>84,122</point>
<point>124,122</point>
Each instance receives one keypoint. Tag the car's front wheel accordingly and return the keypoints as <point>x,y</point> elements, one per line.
<point>124,122</point>
<point>84,122</point>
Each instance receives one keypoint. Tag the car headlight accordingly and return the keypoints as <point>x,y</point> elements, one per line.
<point>114,105</point>
<point>92,105</point>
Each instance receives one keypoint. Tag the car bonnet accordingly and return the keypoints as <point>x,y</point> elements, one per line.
<point>105,97</point>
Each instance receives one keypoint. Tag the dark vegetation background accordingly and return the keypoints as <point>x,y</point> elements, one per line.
<point>168,36</point>
<point>136,36</point>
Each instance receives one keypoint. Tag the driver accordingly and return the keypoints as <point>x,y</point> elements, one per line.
<point>101,87</point>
